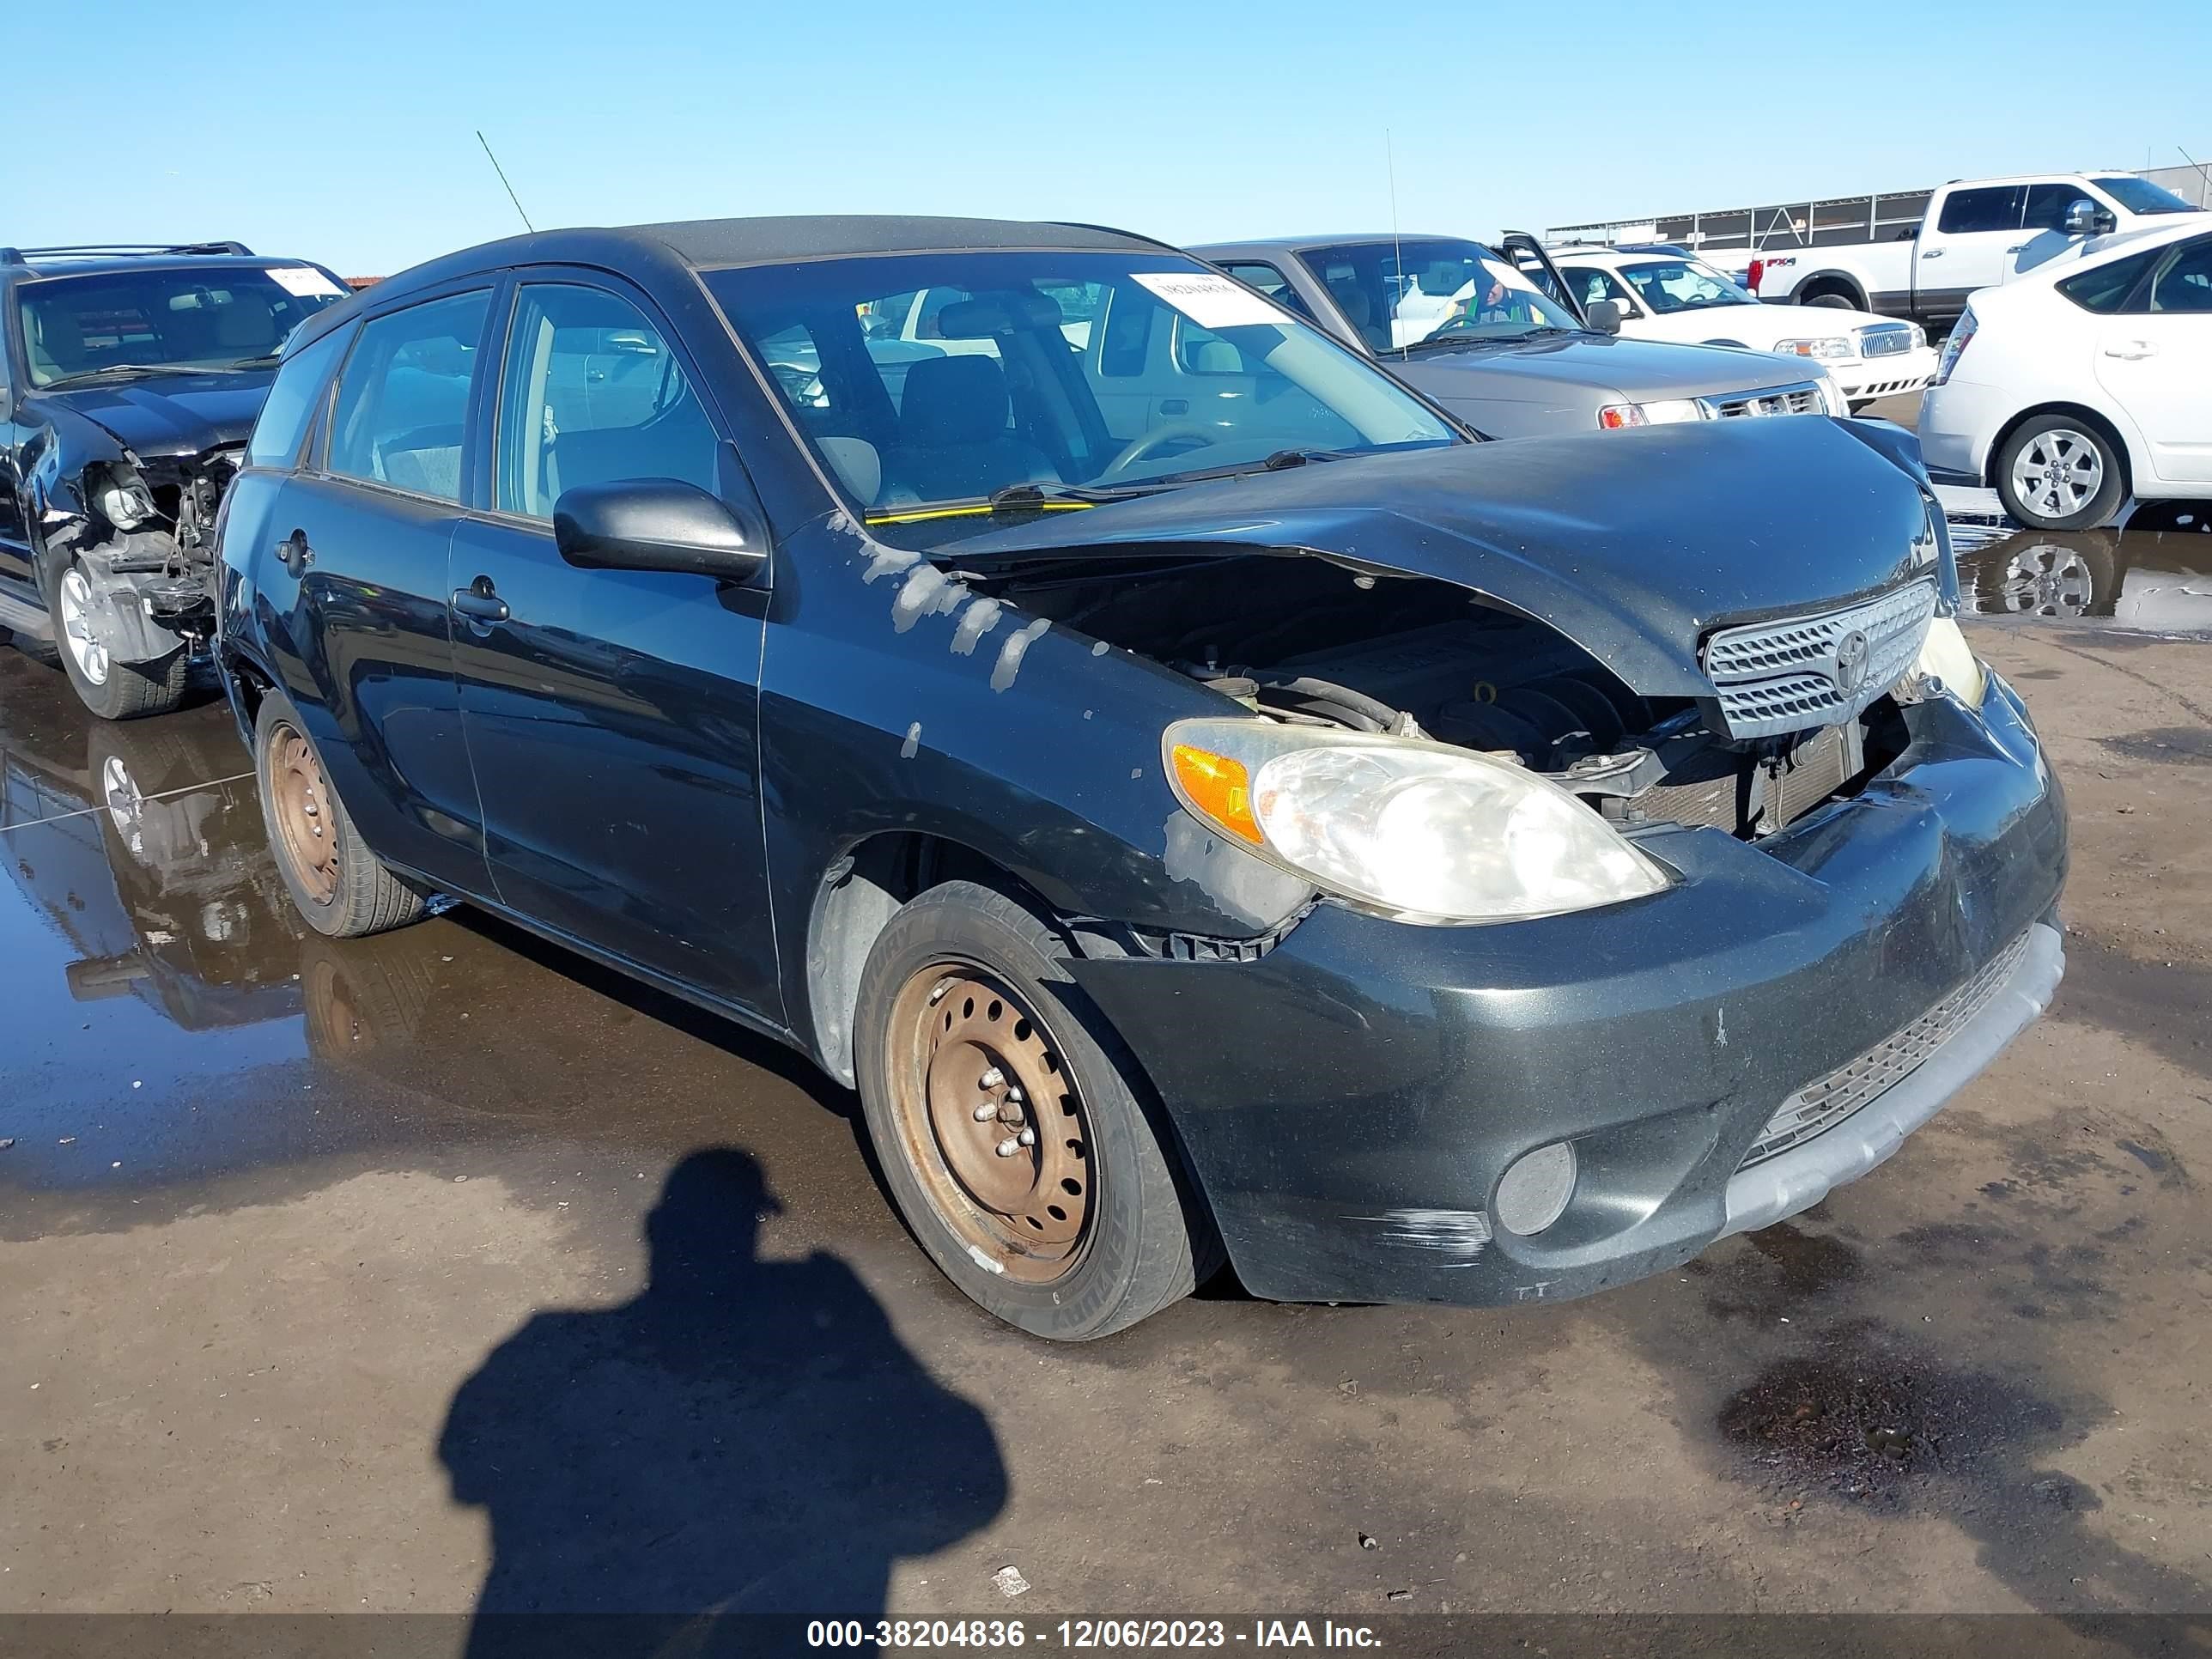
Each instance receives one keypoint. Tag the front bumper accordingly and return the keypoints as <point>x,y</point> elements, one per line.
<point>1886,377</point>
<point>1350,1101</point>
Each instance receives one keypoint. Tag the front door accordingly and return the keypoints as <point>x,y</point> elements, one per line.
<point>2156,362</point>
<point>612,716</point>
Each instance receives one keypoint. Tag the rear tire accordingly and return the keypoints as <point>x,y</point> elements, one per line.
<point>1084,1228</point>
<point>113,691</point>
<point>2061,472</point>
<point>342,888</point>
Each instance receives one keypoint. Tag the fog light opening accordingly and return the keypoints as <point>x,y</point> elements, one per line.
<point>1535,1190</point>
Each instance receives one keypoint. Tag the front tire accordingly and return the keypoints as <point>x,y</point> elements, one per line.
<point>1012,1131</point>
<point>113,691</point>
<point>341,888</point>
<point>1830,302</point>
<point>2060,472</point>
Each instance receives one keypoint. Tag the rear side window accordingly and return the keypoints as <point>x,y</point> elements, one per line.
<point>593,394</point>
<point>1272,284</point>
<point>403,397</point>
<point>292,399</point>
<point>1992,208</point>
<point>2106,288</point>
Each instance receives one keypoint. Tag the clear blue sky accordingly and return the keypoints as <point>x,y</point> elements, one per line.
<point>345,132</point>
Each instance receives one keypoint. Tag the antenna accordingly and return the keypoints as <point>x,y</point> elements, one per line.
<point>1397,252</point>
<point>501,171</point>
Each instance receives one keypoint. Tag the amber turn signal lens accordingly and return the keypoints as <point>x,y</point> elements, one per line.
<point>1218,786</point>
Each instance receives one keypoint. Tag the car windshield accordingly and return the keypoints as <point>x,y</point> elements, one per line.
<point>931,383</point>
<point>2141,196</point>
<point>1670,285</point>
<point>1399,293</point>
<point>207,317</point>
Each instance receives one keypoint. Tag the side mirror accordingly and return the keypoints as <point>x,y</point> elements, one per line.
<point>2084,218</point>
<point>656,524</point>
<point>1605,315</point>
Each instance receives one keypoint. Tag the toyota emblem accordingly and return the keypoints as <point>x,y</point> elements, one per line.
<point>1851,662</point>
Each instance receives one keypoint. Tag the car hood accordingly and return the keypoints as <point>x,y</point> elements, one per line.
<point>171,414</point>
<point>1636,370</point>
<point>1632,544</point>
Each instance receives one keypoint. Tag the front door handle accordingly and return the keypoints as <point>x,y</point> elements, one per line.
<point>1175,405</point>
<point>1931,252</point>
<point>479,603</point>
<point>294,553</point>
<point>2132,350</point>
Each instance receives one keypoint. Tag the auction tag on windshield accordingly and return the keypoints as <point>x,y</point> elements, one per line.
<point>1211,299</point>
<point>303,280</point>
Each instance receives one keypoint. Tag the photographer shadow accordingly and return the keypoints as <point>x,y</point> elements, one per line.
<point>744,1438</point>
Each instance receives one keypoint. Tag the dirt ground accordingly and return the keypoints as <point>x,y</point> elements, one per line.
<point>443,1267</point>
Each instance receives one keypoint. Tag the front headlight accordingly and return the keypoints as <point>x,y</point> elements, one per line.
<point>1414,831</point>
<point>1663,411</point>
<point>123,498</point>
<point>1945,656</point>
<point>1827,345</point>
<point>1831,395</point>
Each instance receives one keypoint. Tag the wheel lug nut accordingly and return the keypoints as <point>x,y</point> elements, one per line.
<point>986,1112</point>
<point>993,1078</point>
<point>1028,1137</point>
<point>1009,1146</point>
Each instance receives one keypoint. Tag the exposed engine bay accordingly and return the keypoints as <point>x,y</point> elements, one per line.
<point>146,536</point>
<point>1311,642</point>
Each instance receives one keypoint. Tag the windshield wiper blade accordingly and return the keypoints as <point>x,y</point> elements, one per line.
<point>1018,497</point>
<point>105,369</point>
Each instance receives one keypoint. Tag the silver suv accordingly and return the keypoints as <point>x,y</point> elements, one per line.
<point>1475,328</point>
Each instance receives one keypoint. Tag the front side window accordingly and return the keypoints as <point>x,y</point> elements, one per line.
<point>2184,282</point>
<point>1593,283</point>
<point>591,393</point>
<point>2141,196</point>
<point>211,318</point>
<point>1992,207</point>
<point>293,396</point>
<point>403,397</point>
<point>2047,206</point>
<point>1400,294</point>
<point>1671,285</point>
<point>1006,395</point>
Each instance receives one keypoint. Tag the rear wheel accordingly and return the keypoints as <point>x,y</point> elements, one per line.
<point>2060,472</point>
<point>113,691</point>
<point>1011,1131</point>
<point>342,889</point>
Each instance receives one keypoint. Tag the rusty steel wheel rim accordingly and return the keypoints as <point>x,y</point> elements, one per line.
<point>992,1122</point>
<point>300,800</point>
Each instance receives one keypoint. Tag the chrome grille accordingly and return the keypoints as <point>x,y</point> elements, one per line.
<point>1890,341</point>
<point>1776,400</point>
<point>1821,1106</point>
<point>1802,672</point>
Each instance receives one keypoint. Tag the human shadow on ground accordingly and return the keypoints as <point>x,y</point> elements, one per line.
<point>744,1438</point>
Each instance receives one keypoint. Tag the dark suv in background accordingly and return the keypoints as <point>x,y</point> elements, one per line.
<point>129,379</point>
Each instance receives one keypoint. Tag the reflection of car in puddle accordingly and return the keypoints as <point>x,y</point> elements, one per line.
<point>168,897</point>
<point>2158,580</point>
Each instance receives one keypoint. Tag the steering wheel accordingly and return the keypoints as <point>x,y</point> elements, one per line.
<point>1157,438</point>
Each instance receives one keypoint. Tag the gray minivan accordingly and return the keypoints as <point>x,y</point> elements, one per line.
<point>1475,328</point>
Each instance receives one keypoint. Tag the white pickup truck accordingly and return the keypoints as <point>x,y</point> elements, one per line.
<point>1976,233</point>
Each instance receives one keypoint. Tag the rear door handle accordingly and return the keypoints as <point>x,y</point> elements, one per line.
<point>294,553</point>
<point>1175,405</point>
<point>2132,349</point>
<point>479,603</point>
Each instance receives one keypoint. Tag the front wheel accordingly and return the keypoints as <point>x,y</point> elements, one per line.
<point>113,691</point>
<point>2059,472</point>
<point>1830,302</point>
<point>1011,1131</point>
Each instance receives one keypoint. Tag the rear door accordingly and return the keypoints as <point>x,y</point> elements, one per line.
<point>358,596</point>
<point>2155,361</point>
<point>612,714</point>
<point>1974,236</point>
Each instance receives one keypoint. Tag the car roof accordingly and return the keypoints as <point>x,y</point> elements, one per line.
<point>715,243</point>
<point>1304,244</point>
<point>23,263</point>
